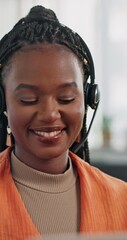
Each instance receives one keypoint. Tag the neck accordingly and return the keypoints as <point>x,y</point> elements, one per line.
<point>55,165</point>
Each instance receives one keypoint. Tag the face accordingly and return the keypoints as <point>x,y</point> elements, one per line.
<point>45,103</point>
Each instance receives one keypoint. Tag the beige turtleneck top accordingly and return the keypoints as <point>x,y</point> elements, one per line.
<point>52,201</point>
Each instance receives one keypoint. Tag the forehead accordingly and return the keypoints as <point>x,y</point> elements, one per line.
<point>49,52</point>
<point>46,48</point>
<point>53,61</point>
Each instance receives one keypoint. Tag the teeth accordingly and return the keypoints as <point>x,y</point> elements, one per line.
<point>47,134</point>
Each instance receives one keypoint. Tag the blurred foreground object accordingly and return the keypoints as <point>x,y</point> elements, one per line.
<point>112,236</point>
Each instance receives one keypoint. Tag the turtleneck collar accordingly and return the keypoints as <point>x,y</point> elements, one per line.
<point>41,181</point>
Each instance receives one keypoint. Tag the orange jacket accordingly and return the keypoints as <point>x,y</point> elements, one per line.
<point>103,202</point>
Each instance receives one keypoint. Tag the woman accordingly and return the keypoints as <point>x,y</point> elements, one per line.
<point>45,188</point>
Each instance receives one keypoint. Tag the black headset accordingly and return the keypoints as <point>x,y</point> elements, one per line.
<point>91,95</point>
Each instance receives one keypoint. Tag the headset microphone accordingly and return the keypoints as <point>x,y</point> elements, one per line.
<point>77,146</point>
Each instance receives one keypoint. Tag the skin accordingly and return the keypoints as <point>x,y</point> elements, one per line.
<point>45,105</point>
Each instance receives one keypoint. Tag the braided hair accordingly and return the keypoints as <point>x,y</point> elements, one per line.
<point>41,26</point>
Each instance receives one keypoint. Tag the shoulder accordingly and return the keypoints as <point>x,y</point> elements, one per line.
<point>5,156</point>
<point>97,178</point>
<point>102,195</point>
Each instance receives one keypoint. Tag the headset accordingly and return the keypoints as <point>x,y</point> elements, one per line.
<point>91,96</point>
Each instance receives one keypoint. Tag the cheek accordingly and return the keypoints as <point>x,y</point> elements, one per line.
<point>15,121</point>
<point>80,108</point>
<point>17,114</point>
<point>77,115</point>
<point>17,117</point>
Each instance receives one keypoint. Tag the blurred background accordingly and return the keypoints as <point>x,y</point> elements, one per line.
<point>102,24</point>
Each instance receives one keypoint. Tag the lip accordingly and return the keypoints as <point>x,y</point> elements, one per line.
<point>48,129</point>
<point>48,135</point>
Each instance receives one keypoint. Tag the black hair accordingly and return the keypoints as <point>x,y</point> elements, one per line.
<point>42,26</point>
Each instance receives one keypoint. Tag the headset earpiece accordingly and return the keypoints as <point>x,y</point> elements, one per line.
<point>92,95</point>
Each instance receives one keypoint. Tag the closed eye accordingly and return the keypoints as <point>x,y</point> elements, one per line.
<point>29,101</point>
<point>66,100</point>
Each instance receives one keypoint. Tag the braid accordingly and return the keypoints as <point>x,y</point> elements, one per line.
<point>42,26</point>
<point>3,131</point>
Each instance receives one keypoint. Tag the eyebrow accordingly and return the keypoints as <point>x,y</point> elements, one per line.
<point>69,84</point>
<point>28,86</point>
<point>33,87</point>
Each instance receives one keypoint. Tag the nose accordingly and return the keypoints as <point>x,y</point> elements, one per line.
<point>49,111</point>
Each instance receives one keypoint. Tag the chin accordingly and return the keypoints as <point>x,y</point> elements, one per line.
<point>52,154</point>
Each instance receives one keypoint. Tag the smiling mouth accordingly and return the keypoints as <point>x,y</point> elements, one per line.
<point>48,134</point>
